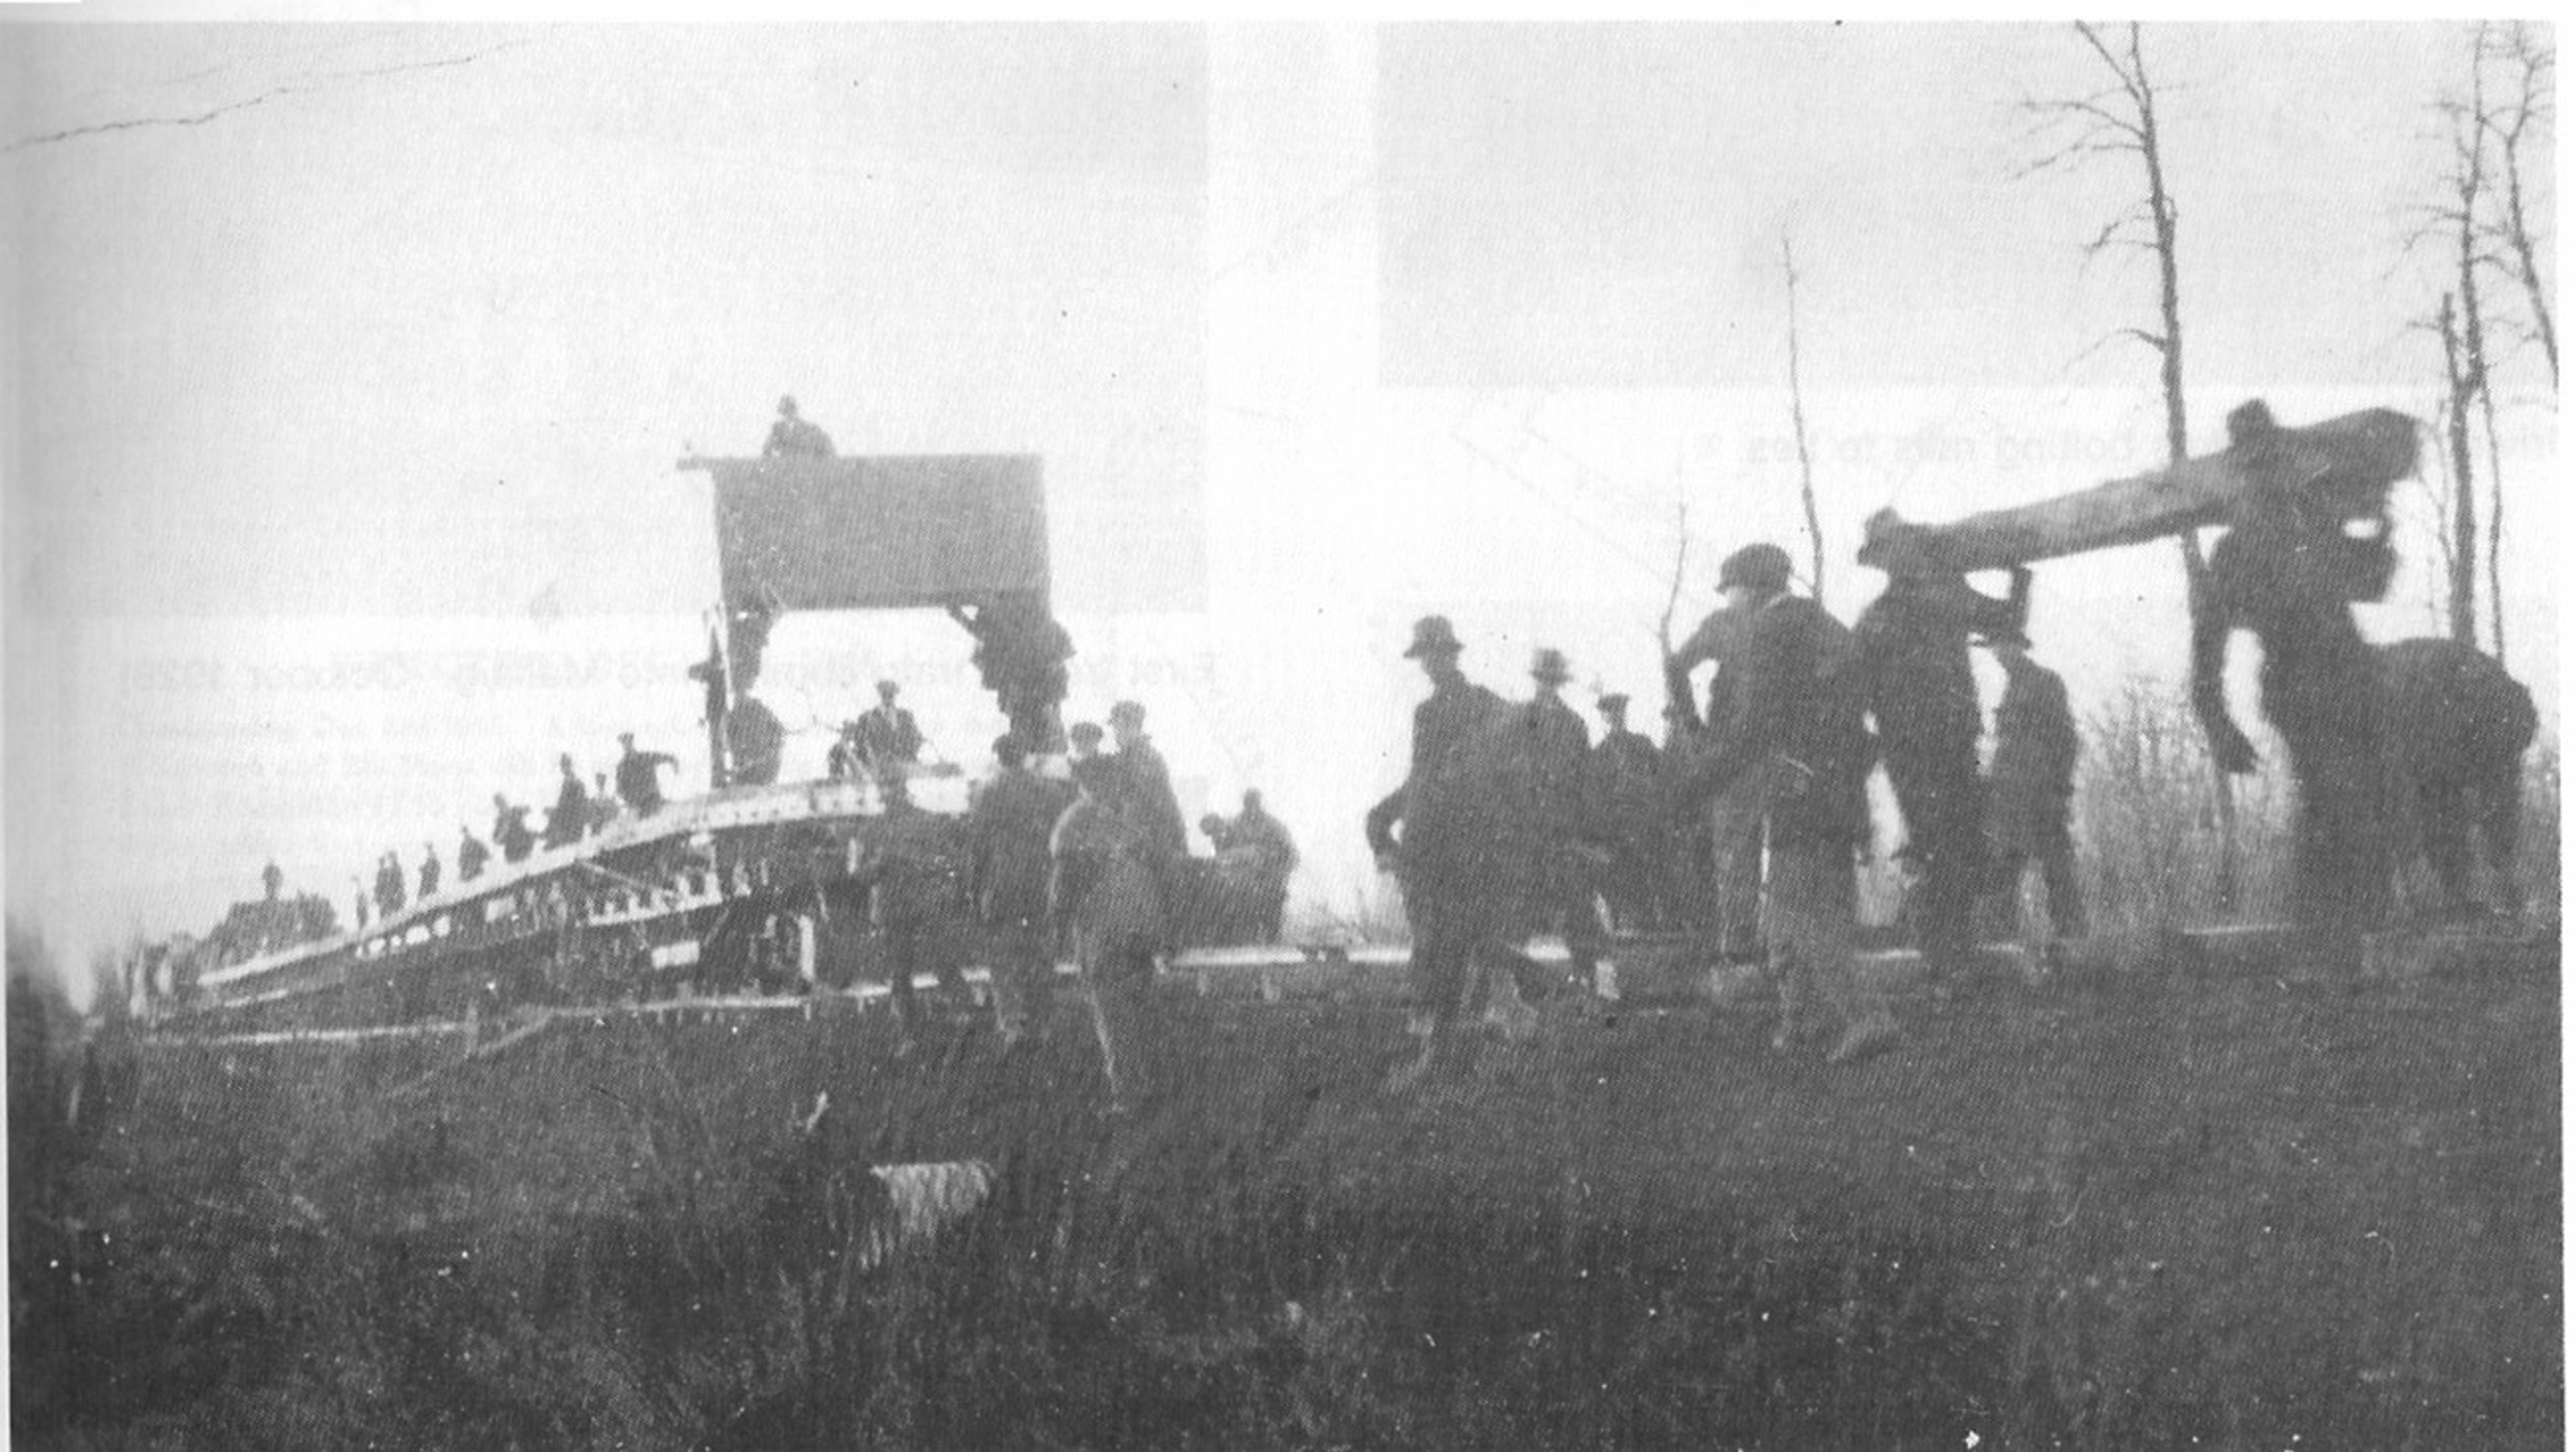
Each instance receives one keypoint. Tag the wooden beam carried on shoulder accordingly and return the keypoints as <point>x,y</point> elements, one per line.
<point>2360,453</point>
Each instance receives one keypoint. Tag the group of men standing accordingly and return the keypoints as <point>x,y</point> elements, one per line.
<point>1800,711</point>
<point>1094,864</point>
<point>579,811</point>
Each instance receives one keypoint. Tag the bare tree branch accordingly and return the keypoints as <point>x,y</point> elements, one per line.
<point>318,82</point>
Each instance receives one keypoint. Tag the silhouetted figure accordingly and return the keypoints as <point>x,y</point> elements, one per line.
<point>471,854</point>
<point>389,885</point>
<point>756,740</point>
<point>428,871</point>
<point>639,775</point>
<point>1020,654</point>
<point>358,895</point>
<point>1560,747</point>
<point>1923,694</point>
<point>1438,862</point>
<point>1105,895</point>
<point>1013,814</point>
<point>793,436</point>
<point>1083,740</point>
<point>510,830</point>
<point>271,882</point>
<point>1731,832</point>
<point>1628,816</point>
<point>1270,856</point>
<point>1157,809</point>
<point>1803,727</point>
<point>2299,553</point>
<point>571,814</point>
<point>605,808</point>
<point>2032,785</point>
<point>889,741</point>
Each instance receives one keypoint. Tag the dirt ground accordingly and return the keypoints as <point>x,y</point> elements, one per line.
<point>2126,1208</point>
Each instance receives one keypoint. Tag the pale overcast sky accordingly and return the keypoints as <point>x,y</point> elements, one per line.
<point>350,364</point>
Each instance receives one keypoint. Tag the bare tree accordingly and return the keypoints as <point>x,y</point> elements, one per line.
<point>2481,229</point>
<point>2119,120</point>
<point>2532,65</point>
<point>1798,424</point>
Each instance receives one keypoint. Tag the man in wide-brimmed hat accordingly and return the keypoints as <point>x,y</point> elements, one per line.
<point>2033,784</point>
<point>1440,905</point>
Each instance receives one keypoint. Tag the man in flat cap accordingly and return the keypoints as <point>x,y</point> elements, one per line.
<point>1802,724</point>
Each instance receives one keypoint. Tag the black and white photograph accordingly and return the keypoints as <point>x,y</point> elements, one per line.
<point>757,731</point>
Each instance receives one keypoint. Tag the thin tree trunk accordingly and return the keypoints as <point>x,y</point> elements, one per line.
<point>2464,513</point>
<point>1798,425</point>
<point>2495,524</point>
<point>2525,265</point>
<point>2195,565</point>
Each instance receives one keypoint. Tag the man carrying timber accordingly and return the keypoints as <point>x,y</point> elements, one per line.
<point>1802,727</point>
<point>1923,694</point>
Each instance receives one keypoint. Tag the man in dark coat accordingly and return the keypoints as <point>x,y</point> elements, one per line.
<point>639,775</point>
<point>1440,902</point>
<point>1105,896</point>
<point>1269,853</point>
<point>1803,727</point>
<point>1561,751</point>
<point>2033,784</point>
<point>1157,808</point>
<point>756,741</point>
<point>910,876</point>
<point>471,854</point>
<point>794,436</point>
<point>889,740</point>
<point>428,870</point>
<point>1733,827</point>
<point>571,815</point>
<point>1923,695</point>
<point>1013,814</point>
<point>1621,781</point>
<point>510,830</point>
<point>389,885</point>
